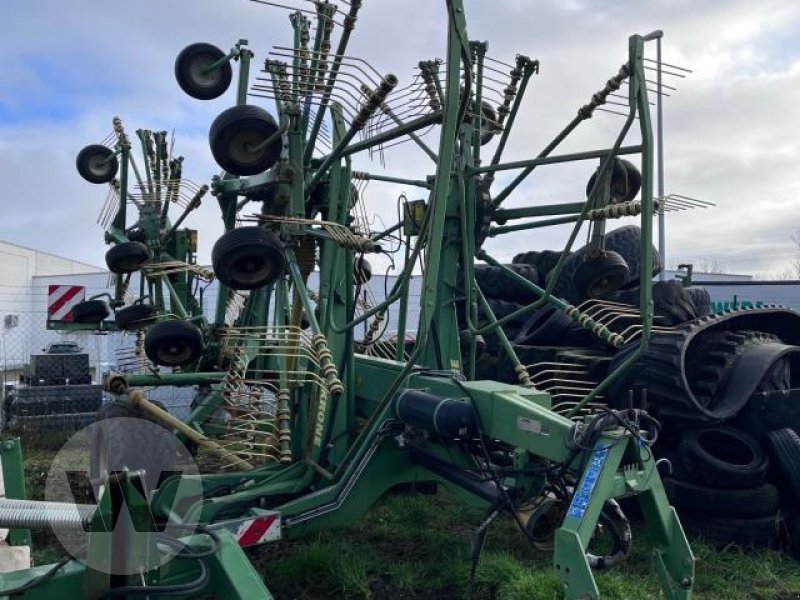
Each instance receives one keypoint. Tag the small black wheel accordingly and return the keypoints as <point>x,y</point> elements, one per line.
<point>626,181</point>
<point>97,163</point>
<point>599,276</point>
<point>173,343</point>
<point>127,257</point>
<point>362,271</point>
<point>193,73</point>
<point>237,138</point>
<point>247,258</point>
<point>90,311</point>
<point>136,316</point>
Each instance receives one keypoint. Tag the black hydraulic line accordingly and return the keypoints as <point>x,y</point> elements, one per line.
<point>487,490</point>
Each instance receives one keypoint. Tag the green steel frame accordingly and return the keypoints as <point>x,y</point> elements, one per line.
<point>357,447</point>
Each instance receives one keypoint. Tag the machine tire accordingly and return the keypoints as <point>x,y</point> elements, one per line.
<point>173,343</point>
<point>236,131</point>
<point>127,257</point>
<point>543,260</point>
<point>626,181</point>
<point>670,301</point>
<point>119,442</point>
<point>723,457</point>
<point>766,411</point>
<point>247,258</point>
<point>784,445</point>
<point>97,163</point>
<point>494,283</point>
<point>90,311</point>
<point>190,65</point>
<point>545,327</point>
<point>740,504</point>
<point>757,532</point>
<point>564,287</point>
<point>627,242</point>
<point>701,300</point>
<point>136,316</point>
<point>599,277</point>
<point>665,367</point>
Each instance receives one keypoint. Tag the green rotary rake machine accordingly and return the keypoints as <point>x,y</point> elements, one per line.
<point>314,405</point>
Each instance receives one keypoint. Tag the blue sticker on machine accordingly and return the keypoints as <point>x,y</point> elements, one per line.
<point>584,493</point>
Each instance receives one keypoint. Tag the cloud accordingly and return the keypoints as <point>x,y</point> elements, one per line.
<point>730,128</point>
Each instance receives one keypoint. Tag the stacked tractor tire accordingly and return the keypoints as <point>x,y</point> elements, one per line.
<point>725,387</point>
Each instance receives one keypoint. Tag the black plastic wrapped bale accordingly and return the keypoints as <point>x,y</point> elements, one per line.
<point>449,417</point>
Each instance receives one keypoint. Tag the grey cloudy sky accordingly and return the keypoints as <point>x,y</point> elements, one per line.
<point>732,128</point>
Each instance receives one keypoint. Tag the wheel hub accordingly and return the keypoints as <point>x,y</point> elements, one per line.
<point>201,73</point>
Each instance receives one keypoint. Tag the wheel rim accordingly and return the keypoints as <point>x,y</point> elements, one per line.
<point>241,147</point>
<point>251,268</point>
<point>200,74</point>
<point>131,263</point>
<point>99,165</point>
<point>174,352</point>
<point>606,284</point>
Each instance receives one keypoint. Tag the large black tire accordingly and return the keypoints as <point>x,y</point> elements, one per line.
<point>626,181</point>
<point>701,300</point>
<point>671,301</point>
<point>550,326</point>
<point>90,311</point>
<point>784,446</point>
<point>247,258</point>
<point>769,410</point>
<point>545,327</point>
<point>173,343</point>
<point>564,287</point>
<point>191,71</point>
<point>665,367</point>
<point>136,316</point>
<point>97,163</point>
<point>503,308</point>
<point>723,457</point>
<point>127,257</point>
<point>760,501</point>
<point>758,532</point>
<point>494,283</point>
<point>543,260</point>
<point>626,241</point>
<point>237,132</point>
<point>598,277</point>
<point>125,437</point>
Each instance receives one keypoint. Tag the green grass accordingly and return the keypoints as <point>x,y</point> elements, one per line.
<point>417,546</point>
<point>414,546</point>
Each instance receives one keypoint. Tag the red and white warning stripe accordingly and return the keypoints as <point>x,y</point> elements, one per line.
<point>253,530</point>
<point>61,299</point>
